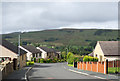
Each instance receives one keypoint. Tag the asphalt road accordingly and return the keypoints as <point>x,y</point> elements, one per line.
<point>54,71</point>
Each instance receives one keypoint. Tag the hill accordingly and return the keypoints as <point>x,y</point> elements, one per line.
<point>61,37</point>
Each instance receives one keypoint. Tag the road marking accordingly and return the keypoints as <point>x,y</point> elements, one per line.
<point>99,77</point>
<point>27,72</point>
<point>85,74</point>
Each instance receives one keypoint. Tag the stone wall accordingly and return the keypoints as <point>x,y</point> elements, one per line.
<point>6,68</point>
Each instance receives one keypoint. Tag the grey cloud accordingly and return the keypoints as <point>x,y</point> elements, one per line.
<point>39,16</point>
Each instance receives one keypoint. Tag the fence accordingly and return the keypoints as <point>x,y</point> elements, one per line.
<point>100,67</point>
<point>114,63</point>
<point>7,68</point>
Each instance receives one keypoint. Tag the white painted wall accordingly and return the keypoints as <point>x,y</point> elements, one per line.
<point>43,54</point>
<point>4,52</point>
<point>98,51</point>
<point>29,54</point>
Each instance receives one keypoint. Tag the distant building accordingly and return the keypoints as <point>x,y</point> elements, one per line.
<point>49,52</point>
<point>107,50</point>
<point>8,51</point>
<point>31,51</point>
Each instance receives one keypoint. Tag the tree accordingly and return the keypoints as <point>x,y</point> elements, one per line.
<point>70,58</point>
<point>63,55</point>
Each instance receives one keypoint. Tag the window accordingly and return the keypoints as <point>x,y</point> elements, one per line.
<point>96,55</point>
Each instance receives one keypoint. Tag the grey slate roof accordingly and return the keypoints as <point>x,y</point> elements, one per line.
<point>91,54</point>
<point>110,48</point>
<point>32,49</point>
<point>11,47</point>
<point>48,49</point>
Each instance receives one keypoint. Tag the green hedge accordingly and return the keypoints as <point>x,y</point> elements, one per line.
<point>89,58</point>
<point>30,63</point>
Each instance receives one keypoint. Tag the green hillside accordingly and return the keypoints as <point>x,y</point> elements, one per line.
<point>61,37</point>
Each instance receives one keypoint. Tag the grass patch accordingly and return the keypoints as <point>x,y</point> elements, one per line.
<point>70,64</point>
<point>113,69</point>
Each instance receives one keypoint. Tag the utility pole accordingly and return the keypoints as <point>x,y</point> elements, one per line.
<point>67,53</point>
<point>19,50</point>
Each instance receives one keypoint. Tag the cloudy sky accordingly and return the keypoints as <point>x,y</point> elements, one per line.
<point>34,16</point>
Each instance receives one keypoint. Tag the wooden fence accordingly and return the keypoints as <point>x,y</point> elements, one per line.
<point>114,63</point>
<point>100,67</point>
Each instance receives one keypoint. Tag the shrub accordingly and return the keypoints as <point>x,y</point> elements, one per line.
<point>31,58</point>
<point>38,60</point>
<point>49,61</point>
<point>86,59</point>
<point>42,60</point>
<point>30,63</point>
<point>59,60</point>
<point>34,59</point>
<point>71,59</point>
<point>89,58</point>
<point>95,59</point>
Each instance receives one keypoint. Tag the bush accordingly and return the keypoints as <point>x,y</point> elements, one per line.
<point>31,58</point>
<point>71,59</point>
<point>38,60</point>
<point>89,58</point>
<point>34,59</point>
<point>95,59</point>
<point>49,61</point>
<point>30,63</point>
<point>59,60</point>
<point>42,60</point>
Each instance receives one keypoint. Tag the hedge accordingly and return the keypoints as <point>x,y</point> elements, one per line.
<point>89,58</point>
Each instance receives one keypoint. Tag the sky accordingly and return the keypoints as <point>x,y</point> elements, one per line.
<point>36,16</point>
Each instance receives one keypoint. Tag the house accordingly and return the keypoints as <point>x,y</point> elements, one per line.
<point>8,51</point>
<point>31,51</point>
<point>48,52</point>
<point>91,54</point>
<point>107,50</point>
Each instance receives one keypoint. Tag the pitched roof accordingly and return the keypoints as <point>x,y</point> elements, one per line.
<point>110,48</point>
<point>11,47</point>
<point>91,54</point>
<point>48,49</point>
<point>31,48</point>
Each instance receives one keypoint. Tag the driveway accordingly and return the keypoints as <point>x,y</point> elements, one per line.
<point>55,71</point>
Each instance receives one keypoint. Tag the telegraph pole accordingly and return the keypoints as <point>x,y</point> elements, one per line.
<point>19,50</point>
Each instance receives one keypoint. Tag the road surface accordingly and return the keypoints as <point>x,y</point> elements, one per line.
<point>54,71</point>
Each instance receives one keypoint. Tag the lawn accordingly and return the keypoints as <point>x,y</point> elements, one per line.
<point>70,64</point>
<point>113,69</point>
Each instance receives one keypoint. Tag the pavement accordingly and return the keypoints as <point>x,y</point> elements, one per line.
<point>18,75</point>
<point>93,74</point>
